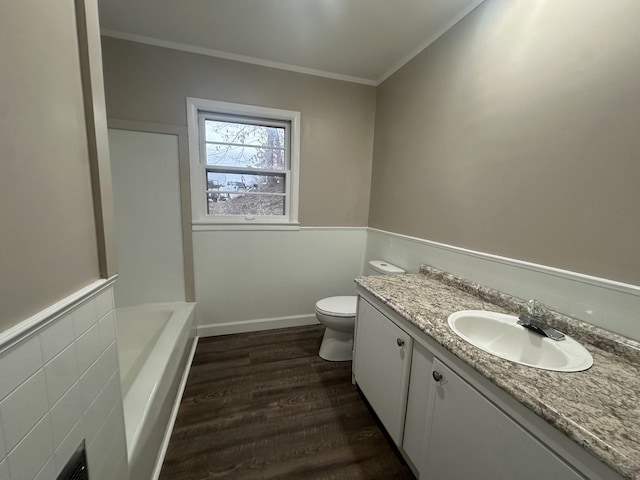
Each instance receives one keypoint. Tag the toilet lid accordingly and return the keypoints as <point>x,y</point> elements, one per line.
<point>338,306</point>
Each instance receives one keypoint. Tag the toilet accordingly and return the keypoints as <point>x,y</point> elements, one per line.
<point>338,315</point>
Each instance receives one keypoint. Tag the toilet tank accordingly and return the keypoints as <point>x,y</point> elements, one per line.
<point>380,267</point>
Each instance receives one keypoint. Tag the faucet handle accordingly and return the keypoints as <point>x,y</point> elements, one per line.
<point>536,309</point>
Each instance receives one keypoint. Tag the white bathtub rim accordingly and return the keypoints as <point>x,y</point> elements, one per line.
<point>156,306</point>
<point>138,330</point>
<point>138,401</point>
<point>174,411</point>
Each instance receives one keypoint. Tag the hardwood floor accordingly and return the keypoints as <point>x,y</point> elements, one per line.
<point>263,405</point>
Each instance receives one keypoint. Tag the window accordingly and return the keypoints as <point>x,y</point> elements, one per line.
<point>244,163</point>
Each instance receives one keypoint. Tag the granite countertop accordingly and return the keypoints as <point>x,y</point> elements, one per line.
<point>598,408</point>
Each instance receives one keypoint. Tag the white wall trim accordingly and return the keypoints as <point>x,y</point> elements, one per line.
<point>335,229</point>
<point>215,329</point>
<point>35,323</point>
<point>174,412</point>
<point>557,272</point>
<point>156,42</point>
<point>208,227</point>
<point>197,227</point>
<point>427,42</point>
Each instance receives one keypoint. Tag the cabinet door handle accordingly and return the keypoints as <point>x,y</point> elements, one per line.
<point>437,376</point>
<point>400,342</point>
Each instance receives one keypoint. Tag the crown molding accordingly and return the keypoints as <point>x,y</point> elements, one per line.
<point>156,42</point>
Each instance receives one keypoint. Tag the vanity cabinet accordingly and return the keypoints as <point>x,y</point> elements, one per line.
<point>420,387</point>
<point>467,436</point>
<point>381,364</point>
<point>445,425</point>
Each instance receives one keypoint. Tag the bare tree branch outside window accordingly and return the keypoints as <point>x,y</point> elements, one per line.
<point>248,147</point>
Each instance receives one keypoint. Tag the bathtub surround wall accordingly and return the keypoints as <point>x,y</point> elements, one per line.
<point>59,384</point>
<point>515,134</point>
<point>146,186</point>
<point>180,133</point>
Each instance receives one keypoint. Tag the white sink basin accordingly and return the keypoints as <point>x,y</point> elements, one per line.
<point>500,335</point>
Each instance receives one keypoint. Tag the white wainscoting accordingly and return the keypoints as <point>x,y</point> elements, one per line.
<point>60,384</point>
<point>243,284</point>
<point>257,280</point>
<point>608,304</point>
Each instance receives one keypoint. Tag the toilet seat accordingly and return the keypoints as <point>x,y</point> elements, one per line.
<point>338,306</point>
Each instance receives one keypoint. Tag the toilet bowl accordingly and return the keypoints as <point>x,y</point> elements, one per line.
<point>338,315</point>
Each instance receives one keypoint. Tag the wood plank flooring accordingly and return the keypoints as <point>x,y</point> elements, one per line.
<point>263,405</point>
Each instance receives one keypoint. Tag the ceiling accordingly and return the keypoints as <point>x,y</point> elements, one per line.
<point>358,40</point>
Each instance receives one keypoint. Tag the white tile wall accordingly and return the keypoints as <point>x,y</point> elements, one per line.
<point>4,470</point>
<point>104,305</point>
<point>84,317</point>
<point>69,445</point>
<point>100,408</point>
<point>30,455</point>
<point>3,450</point>
<point>100,450</point>
<point>62,373</point>
<point>56,337</point>
<point>121,468</point>
<point>66,413</point>
<point>88,347</point>
<point>23,408</point>
<point>59,386</point>
<point>18,364</point>
<point>107,328</point>
<point>48,472</point>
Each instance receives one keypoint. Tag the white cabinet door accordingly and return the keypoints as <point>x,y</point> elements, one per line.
<point>470,438</point>
<point>420,383</point>
<point>382,359</point>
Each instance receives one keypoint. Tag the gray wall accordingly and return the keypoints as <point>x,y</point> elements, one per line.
<point>516,134</point>
<point>150,84</point>
<point>48,241</point>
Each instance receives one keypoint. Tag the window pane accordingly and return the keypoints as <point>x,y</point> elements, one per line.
<point>245,204</point>
<point>241,194</point>
<point>253,157</point>
<point>242,183</point>
<point>244,134</point>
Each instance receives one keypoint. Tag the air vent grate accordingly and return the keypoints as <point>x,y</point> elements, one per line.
<point>76,467</point>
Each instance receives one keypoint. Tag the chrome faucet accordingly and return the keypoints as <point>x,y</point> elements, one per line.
<point>534,320</point>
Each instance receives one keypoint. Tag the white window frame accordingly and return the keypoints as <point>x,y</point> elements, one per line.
<point>200,219</point>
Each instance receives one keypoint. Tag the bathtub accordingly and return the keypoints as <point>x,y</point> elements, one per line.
<point>155,343</point>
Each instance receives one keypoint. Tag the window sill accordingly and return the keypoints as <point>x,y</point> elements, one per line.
<point>207,227</point>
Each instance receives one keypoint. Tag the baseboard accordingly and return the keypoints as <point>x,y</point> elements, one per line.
<point>228,328</point>
<point>174,412</point>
